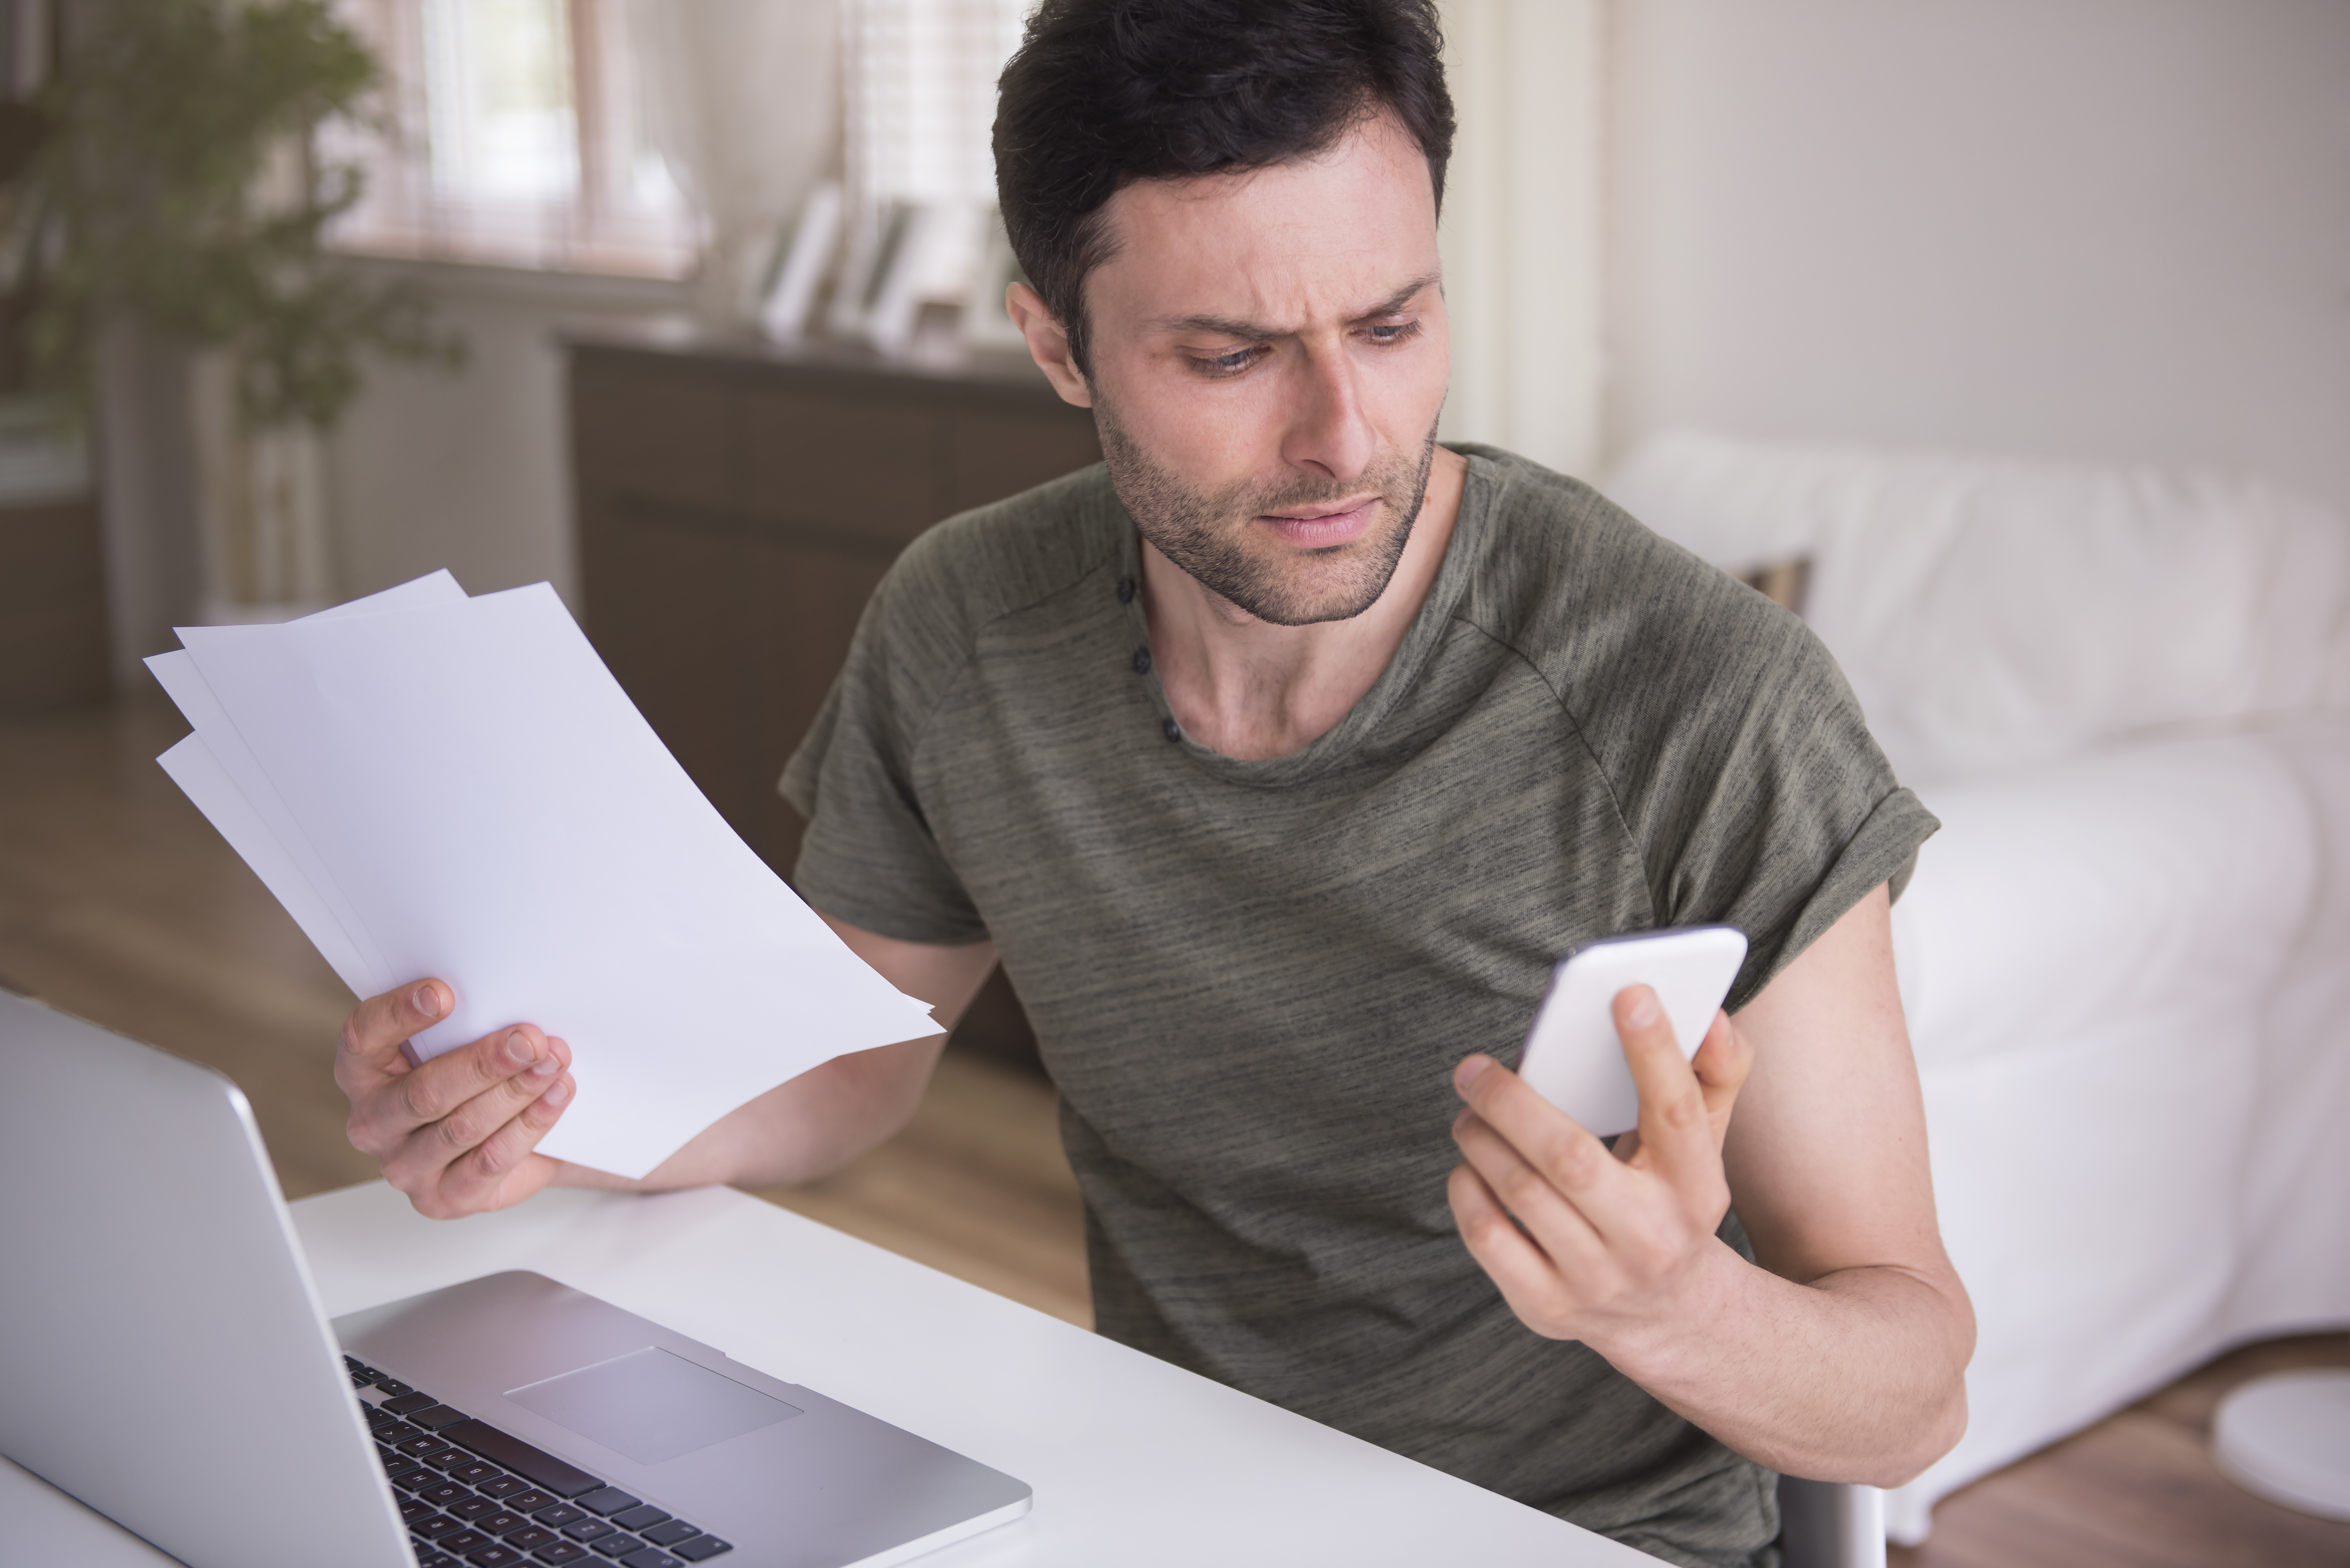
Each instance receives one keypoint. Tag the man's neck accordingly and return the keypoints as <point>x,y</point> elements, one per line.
<point>1253,689</point>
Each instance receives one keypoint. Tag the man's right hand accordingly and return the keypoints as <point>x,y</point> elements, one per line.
<point>457,1135</point>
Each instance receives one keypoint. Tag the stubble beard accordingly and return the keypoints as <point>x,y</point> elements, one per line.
<point>1209,534</point>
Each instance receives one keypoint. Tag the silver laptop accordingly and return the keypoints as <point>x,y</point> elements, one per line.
<point>164,1359</point>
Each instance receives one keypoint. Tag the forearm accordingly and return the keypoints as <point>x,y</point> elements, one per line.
<point>796,1132</point>
<point>829,1115</point>
<point>1857,1377</point>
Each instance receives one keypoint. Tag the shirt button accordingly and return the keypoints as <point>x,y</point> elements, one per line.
<point>1170,729</point>
<point>1126,590</point>
<point>1142,661</point>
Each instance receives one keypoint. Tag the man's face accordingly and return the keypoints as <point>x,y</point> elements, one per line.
<point>1270,352</point>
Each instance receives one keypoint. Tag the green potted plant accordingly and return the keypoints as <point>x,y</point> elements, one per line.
<point>173,180</point>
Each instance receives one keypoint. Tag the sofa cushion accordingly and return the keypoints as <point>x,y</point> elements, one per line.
<point>2156,881</point>
<point>1993,613</point>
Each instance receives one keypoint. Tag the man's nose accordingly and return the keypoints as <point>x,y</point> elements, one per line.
<point>1328,430</point>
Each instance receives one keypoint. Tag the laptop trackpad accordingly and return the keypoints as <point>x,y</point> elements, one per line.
<point>651,1406</point>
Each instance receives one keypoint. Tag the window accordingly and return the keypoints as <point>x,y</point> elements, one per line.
<point>920,88</point>
<point>517,137</point>
<point>921,98</point>
<point>519,132</point>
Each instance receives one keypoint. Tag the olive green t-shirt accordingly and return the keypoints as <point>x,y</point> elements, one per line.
<point>1251,980</point>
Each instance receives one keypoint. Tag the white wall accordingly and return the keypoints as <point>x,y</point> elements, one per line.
<point>472,470</point>
<point>2109,229</point>
<point>1522,225</point>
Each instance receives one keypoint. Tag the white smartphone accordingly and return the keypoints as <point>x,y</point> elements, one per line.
<point>1572,1055</point>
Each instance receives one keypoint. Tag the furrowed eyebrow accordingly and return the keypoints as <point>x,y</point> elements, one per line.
<point>1227,327</point>
<point>1395,301</point>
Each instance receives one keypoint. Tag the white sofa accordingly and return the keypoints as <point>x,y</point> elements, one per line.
<point>2125,957</point>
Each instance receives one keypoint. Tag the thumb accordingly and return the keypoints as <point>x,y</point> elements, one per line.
<point>1722,1061</point>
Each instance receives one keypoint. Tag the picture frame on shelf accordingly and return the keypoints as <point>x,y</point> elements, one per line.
<point>931,267</point>
<point>803,256</point>
<point>874,239</point>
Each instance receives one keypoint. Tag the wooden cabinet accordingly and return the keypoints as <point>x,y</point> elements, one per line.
<point>738,503</point>
<point>53,648</point>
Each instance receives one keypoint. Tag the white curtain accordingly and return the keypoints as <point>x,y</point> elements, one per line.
<point>1522,236</point>
<point>920,79</point>
<point>743,99</point>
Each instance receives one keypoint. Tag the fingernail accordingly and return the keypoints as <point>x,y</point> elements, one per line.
<point>559,1095</point>
<point>545,1068</point>
<point>1645,1011</point>
<point>428,1000</point>
<point>518,1049</point>
<point>1470,1071</point>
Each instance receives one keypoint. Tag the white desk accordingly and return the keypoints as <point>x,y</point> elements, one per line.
<point>1134,1462</point>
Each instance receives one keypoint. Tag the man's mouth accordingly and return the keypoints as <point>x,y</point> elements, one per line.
<point>1324,529</point>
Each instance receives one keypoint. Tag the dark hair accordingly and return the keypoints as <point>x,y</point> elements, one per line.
<point>1105,92</point>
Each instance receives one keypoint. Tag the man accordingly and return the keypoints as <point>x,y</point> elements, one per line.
<point>1277,762</point>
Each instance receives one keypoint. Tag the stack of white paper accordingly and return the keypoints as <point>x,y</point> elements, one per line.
<point>433,785</point>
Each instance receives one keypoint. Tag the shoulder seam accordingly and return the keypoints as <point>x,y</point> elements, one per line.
<point>970,655</point>
<point>1583,739</point>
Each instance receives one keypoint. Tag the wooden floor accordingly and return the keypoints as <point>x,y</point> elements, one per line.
<point>117,902</point>
<point>2138,1491</point>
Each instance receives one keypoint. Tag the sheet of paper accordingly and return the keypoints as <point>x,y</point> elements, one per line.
<point>541,850</point>
<point>217,770</point>
<point>200,777</point>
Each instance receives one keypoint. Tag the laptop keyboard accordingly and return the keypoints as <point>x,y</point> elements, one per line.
<point>471,1495</point>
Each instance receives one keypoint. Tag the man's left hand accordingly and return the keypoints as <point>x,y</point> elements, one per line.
<point>1601,1240</point>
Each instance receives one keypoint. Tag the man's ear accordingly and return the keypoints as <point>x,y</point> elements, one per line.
<point>1048,343</point>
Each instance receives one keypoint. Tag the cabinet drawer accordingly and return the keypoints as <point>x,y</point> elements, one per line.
<point>801,606</point>
<point>53,647</point>
<point>993,453</point>
<point>862,465</point>
<point>664,610</point>
<point>669,438</point>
